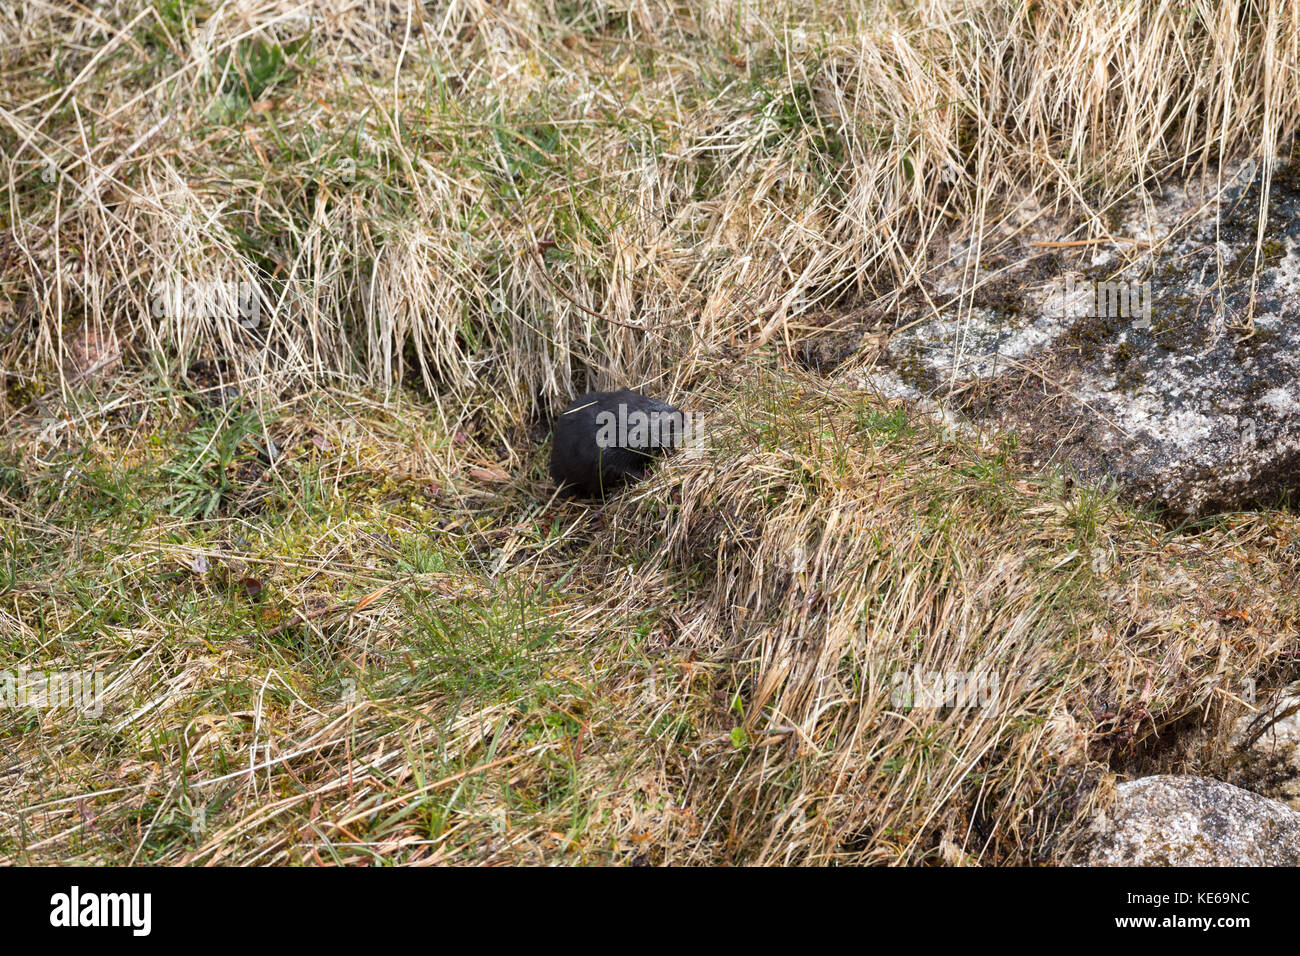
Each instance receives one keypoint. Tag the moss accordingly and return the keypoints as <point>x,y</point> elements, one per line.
<point>914,372</point>
<point>1005,297</point>
<point>20,392</point>
<point>1131,378</point>
<point>1091,333</point>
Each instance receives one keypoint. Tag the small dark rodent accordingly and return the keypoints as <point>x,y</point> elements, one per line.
<point>604,440</point>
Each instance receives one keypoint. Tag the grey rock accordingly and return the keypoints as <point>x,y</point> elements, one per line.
<point>1171,820</point>
<point>1156,389</point>
<point>1267,747</point>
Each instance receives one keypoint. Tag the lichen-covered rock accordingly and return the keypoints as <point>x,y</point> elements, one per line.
<point>1168,362</point>
<point>1267,745</point>
<point>1173,820</point>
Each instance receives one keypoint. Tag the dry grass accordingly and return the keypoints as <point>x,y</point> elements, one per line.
<point>441,667</point>
<point>344,621</point>
<point>840,547</point>
<point>404,178</point>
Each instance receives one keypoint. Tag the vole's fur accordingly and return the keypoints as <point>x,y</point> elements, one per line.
<point>578,462</point>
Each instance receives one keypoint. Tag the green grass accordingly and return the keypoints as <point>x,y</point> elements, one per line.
<point>343,618</point>
<point>417,664</point>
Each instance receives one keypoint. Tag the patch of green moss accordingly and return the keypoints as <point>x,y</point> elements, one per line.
<point>914,372</point>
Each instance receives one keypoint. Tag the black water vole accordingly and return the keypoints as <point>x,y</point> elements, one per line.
<point>604,440</point>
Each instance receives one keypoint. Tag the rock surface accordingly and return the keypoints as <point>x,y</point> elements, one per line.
<point>1129,360</point>
<point>1268,744</point>
<point>1194,821</point>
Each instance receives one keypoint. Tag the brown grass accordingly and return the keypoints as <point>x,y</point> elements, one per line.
<point>697,175</point>
<point>702,672</point>
<point>436,661</point>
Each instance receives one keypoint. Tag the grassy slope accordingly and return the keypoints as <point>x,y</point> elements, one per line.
<point>389,643</point>
<point>436,664</point>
